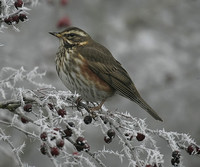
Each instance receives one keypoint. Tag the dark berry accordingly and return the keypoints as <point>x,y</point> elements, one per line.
<point>55,151</point>
<point>15,18</point>
<point>81,141</point>
<point>43,149</point>
<point>197,150</point>
<point>107,139</point>
<point>87,119</point>
<point>63,22</point>
<point>61,112</point>
<point>140,137</point>
<point>105,119</point>
<point>18,4</point>
<point>176,154</point>
<point>68,132</point>
<point>111,133</point>
<point>22,17</point>
<point>60,143</point>
<point>191,149</point>
<point>43,136</point>
<point>175,161</point>
<point>24,120</point>
<point>8,20</point>
<point>28,107</point>
<point>71,124</point>
<point>51,107</point>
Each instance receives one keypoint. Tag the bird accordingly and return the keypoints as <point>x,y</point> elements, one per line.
<point>89,69</point>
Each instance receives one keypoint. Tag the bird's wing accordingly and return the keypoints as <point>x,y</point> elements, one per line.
<point>101,62</point>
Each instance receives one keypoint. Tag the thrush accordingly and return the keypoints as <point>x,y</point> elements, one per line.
<point>88,68</point>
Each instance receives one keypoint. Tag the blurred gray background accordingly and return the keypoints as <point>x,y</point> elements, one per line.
<point>157,42</point>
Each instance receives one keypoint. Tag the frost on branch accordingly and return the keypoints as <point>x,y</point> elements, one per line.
<point>58,122</point>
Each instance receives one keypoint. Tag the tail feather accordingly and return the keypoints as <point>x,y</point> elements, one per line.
<point>147,108</point>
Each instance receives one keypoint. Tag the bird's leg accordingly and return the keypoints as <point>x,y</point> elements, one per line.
<point>97,107</point>
<point>78,100</point>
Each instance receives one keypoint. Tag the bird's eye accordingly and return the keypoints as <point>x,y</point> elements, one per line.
<point>71,35</point>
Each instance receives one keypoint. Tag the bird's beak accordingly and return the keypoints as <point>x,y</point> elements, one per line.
<point>56,34</point>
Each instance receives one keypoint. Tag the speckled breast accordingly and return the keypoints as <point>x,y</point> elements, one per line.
<point>74,72</point>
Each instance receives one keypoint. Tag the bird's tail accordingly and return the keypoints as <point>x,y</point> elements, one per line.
<point>147,108</point>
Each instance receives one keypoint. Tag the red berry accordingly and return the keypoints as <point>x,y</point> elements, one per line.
<point>15,18</point>
<point>24,120</point>
<point>81,141</point>
<point>191,149</point>
<point>61,112</point>
<point>22,17</point>
<point>68,132</point>
<point>8,20</point>
<point>55,151</point>
<point>107,139</point>
<point>18,4</point>
<point>111,133</point>
<point>51,107</point>
<point>28,107</point>
<point>64,2</point>
<point>87,119</point>
<point>140,137</point>
<point>60,143</point>
<point>43,149</point>
<point>43,136</point>
<point>56,129</point>
<point>63,22</point>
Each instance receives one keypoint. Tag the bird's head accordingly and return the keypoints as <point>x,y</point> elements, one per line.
<point>72,36</point>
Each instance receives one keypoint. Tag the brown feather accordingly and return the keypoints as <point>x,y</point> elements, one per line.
<point>101,61</point>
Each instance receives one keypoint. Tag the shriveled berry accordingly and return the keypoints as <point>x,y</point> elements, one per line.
<point>43,136</point>
<point>64,22</point>
<point>111,133</point>
<point>61,112</point>
<point>107,139</point>
<point>87,119</point>
<point>24,120</point>
<point>22,17</point>
<point>140,136</point>
<point>15,18</point>
<point>18,4</point>
<point>43,149</point>
<point>28,107</point>
<point>8,20</point>
<point>55,151</point>
<point>60,143</point>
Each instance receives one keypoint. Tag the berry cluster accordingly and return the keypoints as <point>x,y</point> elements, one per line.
<point>139,136</point>
<point>15,19</point>
<point>175,158</point>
